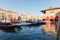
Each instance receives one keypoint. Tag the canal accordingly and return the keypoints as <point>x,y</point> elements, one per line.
<point>25,33</point>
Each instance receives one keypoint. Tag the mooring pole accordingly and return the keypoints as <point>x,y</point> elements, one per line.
<point>11,19</point>
<point>58,28</point>
<point>5,19</point>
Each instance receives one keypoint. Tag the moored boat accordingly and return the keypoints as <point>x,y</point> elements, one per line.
<point>28,23</point>
<point>6,25</point>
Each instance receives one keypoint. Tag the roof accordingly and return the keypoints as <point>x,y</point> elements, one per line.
<point>11,11</point>
<point>2,9</point>
<point>7,10</point>
<point>49,9</point>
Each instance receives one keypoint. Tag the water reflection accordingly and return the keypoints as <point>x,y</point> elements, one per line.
<point>24,33</point>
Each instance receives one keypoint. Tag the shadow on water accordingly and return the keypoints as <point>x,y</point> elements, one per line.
<point>12,30</point>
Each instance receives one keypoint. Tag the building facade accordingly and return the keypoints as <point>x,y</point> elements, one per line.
<point>29,17</point>
<point>7,15</point>
<point>50,12</point>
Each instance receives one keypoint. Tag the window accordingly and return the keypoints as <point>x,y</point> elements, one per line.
<point>10,15</point>
<point>2,15</point>
<point>51,11</point>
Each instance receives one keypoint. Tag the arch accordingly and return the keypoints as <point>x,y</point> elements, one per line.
<point>57,16</point>
<point>51,18</point>
<point>58,13</point>
<point>47,18</point>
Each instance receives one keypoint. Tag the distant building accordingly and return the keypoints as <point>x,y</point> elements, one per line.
<point>50,12</point>
<point>8,15</point>
<point>25,17</point>
<point>29,17</point>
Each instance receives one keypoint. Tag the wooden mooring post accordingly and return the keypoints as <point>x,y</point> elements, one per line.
<point>58,28</point>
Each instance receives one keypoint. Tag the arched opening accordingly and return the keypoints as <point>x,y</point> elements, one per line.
<point>51,18</point>
<point>57,16</point>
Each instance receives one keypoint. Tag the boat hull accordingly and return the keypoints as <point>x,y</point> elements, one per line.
<point>33,24</point>
<point>6,27</point>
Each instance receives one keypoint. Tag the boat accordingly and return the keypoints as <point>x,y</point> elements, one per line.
<point>21,24</point>
<point>6,25</point>
<point>28,23</point>
<point>35,23</point>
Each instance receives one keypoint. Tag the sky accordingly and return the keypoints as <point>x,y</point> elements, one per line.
<point>28,6</point>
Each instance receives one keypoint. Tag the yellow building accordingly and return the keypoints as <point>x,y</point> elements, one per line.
<point>7,14</point>
<point>28,16</point>
<point>50,12</point>
<point>25,17</point>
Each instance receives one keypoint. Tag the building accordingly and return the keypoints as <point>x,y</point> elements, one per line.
<point>29,17</point>
<point>50,12</point>
<point>7,15</point>
<point>25,17</point>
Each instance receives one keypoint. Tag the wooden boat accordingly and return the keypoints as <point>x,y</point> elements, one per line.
<point>6,25</point>
<point>29,24</point>
<point>35,24</point>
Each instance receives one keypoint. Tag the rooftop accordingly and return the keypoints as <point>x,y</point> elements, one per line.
<point>7,10</point>
<point>50,8</point>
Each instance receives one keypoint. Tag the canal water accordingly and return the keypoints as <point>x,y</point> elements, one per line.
<point>25,33</point>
